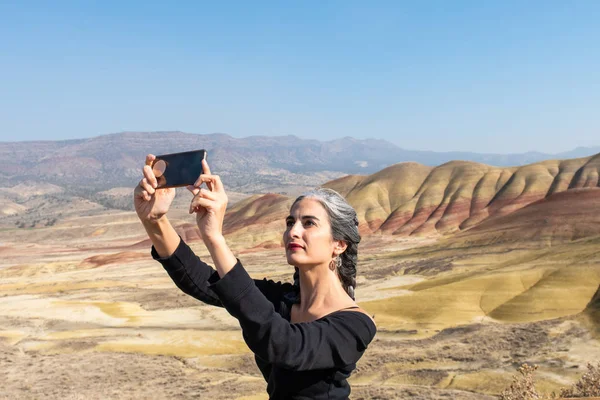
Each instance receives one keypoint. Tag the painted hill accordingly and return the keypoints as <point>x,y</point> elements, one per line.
<point>412,199</point>
<point>258,221</point>
<point>95,174</point>
<point>561,217</point>
<point>498,283</point>
<point>409,199</point>
<point>538,263</point>
<point>461,198</point>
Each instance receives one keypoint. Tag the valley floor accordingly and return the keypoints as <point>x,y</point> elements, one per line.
<point>89,315</point>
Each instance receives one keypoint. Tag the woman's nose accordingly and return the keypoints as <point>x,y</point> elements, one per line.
<point>294,231</point>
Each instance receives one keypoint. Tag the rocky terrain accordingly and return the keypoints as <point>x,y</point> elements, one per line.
<point>469,270</point>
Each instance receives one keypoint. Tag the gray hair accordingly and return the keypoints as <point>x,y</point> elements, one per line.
<point>344,226</point>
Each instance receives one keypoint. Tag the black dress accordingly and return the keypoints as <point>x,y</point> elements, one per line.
<point>307,360</point>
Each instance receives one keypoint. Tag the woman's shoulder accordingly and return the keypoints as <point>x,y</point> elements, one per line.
<point>354,325</point>
<point>350,316</point>
<point>357,311</point>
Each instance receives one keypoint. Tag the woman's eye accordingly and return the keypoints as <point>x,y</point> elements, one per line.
<point>289,223</point>
<point>308,222</point>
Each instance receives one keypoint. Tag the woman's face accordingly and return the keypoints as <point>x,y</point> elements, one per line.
<point>307,237</point>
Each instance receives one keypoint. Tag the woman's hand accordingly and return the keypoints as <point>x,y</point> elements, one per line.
<point>151,204</point>
<point>209,205</point>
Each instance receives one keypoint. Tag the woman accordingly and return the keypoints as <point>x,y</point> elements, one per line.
<point>306,337</point>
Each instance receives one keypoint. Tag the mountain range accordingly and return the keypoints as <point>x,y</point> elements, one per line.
<point>253,164</point>
<point>48,181</point>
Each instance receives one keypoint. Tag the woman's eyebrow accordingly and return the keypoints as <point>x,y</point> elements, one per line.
<point>289,217</point>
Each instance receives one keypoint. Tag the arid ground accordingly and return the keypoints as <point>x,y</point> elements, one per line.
<point>85,313</point>
<point>469,271</point>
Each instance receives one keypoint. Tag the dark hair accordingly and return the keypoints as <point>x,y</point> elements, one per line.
<point>344,226</point>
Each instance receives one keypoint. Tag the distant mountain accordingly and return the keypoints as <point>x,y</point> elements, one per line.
<point>253,164</point>
<point>579,152</point>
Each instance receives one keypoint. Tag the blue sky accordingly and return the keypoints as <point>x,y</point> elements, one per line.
<point>484,76</point>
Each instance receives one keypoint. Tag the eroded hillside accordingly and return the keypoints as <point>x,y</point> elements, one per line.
<point>412,199</point>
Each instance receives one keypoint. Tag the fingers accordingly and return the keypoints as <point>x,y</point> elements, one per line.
<point>205,168</point>
<point>205,198</point>
<point>212,181</point>
<point>206,171</point>
<point>146,191</point>
<point>148,184</point>
<point>149,176</point>
<point>207,194</point>
<point>193,189</point>
<point>150,159</point>
<point>199,203</point>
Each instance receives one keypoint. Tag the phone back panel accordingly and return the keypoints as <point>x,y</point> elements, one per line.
<point>178,169</point>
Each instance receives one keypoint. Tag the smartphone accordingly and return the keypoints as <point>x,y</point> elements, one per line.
<point>178,169</point>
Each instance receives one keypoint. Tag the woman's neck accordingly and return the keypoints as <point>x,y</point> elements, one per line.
<point>321,290</point>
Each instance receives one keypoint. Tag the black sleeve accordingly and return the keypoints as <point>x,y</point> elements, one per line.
<point>336,341</point>
<point>191,275</point>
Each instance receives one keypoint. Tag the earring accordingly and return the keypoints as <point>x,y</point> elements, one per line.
<point>336,263</point>
<point>333,264</point>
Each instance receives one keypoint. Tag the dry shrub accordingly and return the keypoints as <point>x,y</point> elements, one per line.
<point>587,386</point>
<point>523,385</point>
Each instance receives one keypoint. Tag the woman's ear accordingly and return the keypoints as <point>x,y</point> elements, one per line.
<point>339,246</point>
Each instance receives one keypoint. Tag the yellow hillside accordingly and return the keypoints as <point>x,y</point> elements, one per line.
<point>411,199</point>
<point>541,262</point>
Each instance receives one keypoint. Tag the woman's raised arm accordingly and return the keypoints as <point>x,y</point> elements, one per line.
<point>151,206</point>
<point>210,205</point>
